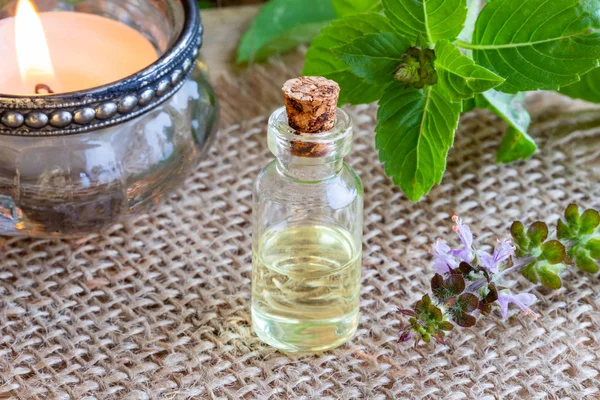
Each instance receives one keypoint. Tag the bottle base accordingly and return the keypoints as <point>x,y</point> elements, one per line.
<point>304,336</point>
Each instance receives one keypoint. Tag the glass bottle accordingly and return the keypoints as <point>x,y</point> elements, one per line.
<point>307,239</point>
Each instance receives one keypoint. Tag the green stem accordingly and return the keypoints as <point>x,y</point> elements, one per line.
<point>465,45</point>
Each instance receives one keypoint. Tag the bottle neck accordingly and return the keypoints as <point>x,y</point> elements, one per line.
<point>309,172</point>
<point>309,157</point>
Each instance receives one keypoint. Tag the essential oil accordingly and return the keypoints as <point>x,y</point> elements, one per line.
<point>307,232</point>
<point>306,285</point>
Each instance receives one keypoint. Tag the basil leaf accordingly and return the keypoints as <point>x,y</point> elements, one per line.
<point>320,60</point>
<point>516,144</point>
<point>459,77</point>
<point>354,90</point>
<point>344,8</point>
<point>374,57</point>
<point>414,132</point>
<point>509,106</point>
<point>588,88</point>
<point>282,25</point>
<point>469,104</point>
<point>434,19</point>
<point>537,44</point>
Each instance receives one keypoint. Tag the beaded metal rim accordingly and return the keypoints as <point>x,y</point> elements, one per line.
<point>112,104</point>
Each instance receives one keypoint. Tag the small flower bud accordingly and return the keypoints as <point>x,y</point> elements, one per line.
<point>408,70</point>
<point>417,68</point>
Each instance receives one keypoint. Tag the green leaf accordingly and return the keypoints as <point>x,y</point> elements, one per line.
<point>435,313</point>
<point>590,219</point>
<point>434,19</point>
<point>517,230</point>
<point>282,25</point>
<point>509,107</point>
<point>549,255</point>
<point>541,271</point>
<point>537,44</point>
<point>344,8</point>
<point>320,60</point>
<point>593,246</point>
<point>588,88</point>
<point>375,56</point>
<point>549,279</point>
<point>446,326</point>
<point>537,233</point>
<point>427,311</point>
<point>458,76</point>
<point>469,105</point>
<point>516,143</point>
<point>554,251</point>
<point>572,215</point>
<point>575,226</point>
<point>414,132</point>
<point>529,273</point>
<point>584,262</point>
<point>353,89</point>
<point>563,230</point>
<point>582,232</point>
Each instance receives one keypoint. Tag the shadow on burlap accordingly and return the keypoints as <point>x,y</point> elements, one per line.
<point>158,307</point>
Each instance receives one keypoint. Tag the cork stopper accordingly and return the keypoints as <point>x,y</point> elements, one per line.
<point>311,103</point>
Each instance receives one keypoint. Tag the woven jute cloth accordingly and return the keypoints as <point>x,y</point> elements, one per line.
<point>159,307</point>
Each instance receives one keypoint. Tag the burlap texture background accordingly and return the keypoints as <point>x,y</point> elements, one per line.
<point>158,307</point>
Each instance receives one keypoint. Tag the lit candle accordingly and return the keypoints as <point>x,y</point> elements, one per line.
<point>67,51</point>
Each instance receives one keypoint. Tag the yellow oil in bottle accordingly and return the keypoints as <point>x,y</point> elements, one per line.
<point>305,287</point>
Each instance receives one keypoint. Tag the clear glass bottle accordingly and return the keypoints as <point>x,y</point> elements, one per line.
<point>307,239</point>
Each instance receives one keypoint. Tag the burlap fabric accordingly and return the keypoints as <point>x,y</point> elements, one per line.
<point>158,307</point>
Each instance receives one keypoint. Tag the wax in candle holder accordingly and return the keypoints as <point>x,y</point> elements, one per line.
<point>86,51</point>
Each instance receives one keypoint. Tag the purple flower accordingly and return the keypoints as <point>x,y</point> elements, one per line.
<point>502,252</point>
<point>443,257</point>
<point>446,258</point>
<point>466,237</point>
<point>405,336</point>
<point>522,300</point>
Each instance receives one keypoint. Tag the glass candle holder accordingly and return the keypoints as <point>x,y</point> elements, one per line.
<point>73,163</point>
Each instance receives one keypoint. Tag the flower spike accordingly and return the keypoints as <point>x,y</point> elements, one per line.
<point>469,282</point>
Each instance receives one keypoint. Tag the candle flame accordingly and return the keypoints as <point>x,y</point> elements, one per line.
<point>33,56</point>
